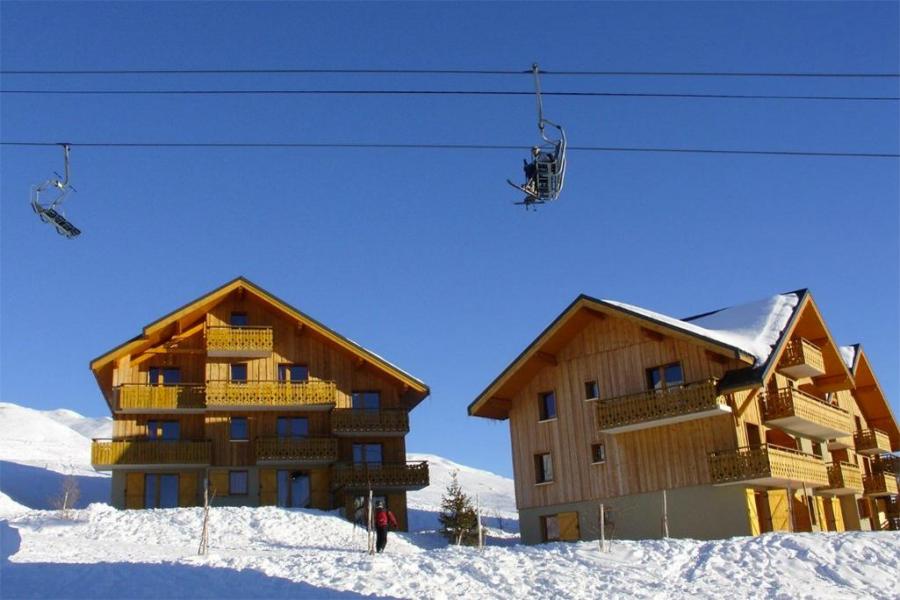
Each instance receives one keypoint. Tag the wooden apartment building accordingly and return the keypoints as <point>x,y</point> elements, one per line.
<point>751,419</point>
<point>267,405</point>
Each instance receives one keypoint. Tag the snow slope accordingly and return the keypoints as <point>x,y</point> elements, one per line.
<point>277,553</point>
<point>89,427</point>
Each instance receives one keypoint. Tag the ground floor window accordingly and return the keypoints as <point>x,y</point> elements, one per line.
<point>560,527</point>
<point>550,528</point>
<point>293,489</point>
<point>237,483</point>
<point>160,490</point>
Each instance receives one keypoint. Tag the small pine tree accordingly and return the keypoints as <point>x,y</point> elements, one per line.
<point>459,523</point>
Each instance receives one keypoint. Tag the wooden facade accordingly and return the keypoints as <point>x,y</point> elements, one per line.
<point>242,391</point>
<point>780,430</point>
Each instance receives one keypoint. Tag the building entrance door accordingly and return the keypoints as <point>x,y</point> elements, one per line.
<point>293,489</point>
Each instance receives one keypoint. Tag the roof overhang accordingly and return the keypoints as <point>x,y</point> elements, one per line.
<point>872,401</point>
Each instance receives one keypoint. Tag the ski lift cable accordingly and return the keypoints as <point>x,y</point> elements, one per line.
<point>378,92</point>
<point>438,146</point>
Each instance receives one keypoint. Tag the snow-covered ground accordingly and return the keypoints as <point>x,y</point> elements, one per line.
<point>99,552</point>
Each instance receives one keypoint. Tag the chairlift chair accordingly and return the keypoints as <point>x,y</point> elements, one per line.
<point>546,173</point>
<point>52,212</point>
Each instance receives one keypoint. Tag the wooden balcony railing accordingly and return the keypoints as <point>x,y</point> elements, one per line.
<point>360,476</point>
<point>803,414</point>
<point>767,465</point>
<point>880,484</point>
<point>843,478</point>
<point>238,341</point>
<point>354,421</point>
<point>886,463</point>
<point>871,441</point>
<point>109,454</point>
<point>296,450</point>
<point>654,408</point>
<point>140,397</point>
<point>271,394</point>
<point>801,358</point>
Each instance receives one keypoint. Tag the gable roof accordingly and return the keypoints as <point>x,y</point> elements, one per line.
<point>870,397</point>
<point>204,303</point>
<point>750,333</point>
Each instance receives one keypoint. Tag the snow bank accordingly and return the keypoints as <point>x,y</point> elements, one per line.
<point>278,553</point>
<point>753,327</point>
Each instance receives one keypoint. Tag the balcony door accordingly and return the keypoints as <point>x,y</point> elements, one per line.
<point>293,489</point>
<point>160,490</point>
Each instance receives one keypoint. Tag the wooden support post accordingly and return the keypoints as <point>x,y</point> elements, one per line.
<point>370,524</point>
<point>809,508</point>
<point>602,528</point>
<point>478,517</point>
<point>665,517</point>
<point>790,506</point>
<point>204,532</point>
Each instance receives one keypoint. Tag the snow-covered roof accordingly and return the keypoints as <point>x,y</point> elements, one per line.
<point>848,353</point>
<point>753,328</point>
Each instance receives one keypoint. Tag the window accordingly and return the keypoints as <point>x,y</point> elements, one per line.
<point>292,427</point>
<point>239,430</point>
<point>237,483</point>
<point>817,450</point>
<point>163,430</point>
<point>160,490</point>
<point>591,390</point>
<point>666,376</point>
<point>598,453</point>
<point>367,453</point>
<point>550,528</point>
<point>164,375</point>
<point>753,438</point>
<point>863,505</point>
<point>547,405</point>
<point>239,373</point>
<point>238,319</point>
<point>366,400</point>
<point>543,468</point>
<point>287,372</point>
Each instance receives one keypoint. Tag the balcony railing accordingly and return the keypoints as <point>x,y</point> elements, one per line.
<point>886,463</point>
<point>361,476</point>
<point>801,358</point>
<point>871,441</point>
<point>880,484</point>
<point>146,398</point>
<point>296,450</point>
<point>802,414</point>
<point>310,395</point>
<point>660,407</point>
<point>238,341</point>
<point>361,422</point>
<point>843,479</point>
<point>767,465</point>
<point>112,454</point>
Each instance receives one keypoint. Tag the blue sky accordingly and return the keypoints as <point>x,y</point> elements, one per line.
<point>420,255</point>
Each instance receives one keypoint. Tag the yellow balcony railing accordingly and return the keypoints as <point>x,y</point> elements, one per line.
<point>844,478</point>
<point>803,414</point>
<point>767,465</point>
<point>801,358</point>
<point>148,398</point>
<point>107,454</point>
<point>871,441</point>
<point>659,407</point>
<point>409,476</point>
<point>238,341</point>
<point>270,394</point>
<point>318,450</point>
<point>355,421</point>
<point>880,484</point>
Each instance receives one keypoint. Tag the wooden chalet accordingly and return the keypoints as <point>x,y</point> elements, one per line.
<point>734,422</point>
<point>265,404</point>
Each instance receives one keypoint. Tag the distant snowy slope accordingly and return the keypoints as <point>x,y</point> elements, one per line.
<point>495,492</point>
<point>89,427</point>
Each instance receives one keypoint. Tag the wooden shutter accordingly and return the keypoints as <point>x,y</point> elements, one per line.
<point>838,515</point>
<point>134,490</point>
<point>187,489</point>
<point>752,513</point>
<point>218,483</point>
<point>568,526</point>
<point>779,508</point>
<point>268,488</point>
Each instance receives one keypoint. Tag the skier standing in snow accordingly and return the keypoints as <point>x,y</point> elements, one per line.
<point>383,518</point>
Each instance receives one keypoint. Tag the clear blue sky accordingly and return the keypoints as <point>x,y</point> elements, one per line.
<point>420,255</point>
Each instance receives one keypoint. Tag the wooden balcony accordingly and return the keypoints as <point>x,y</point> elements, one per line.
<point>767,466</point>
<point>127,454</point>
<point>396,476</point>
<point>841,443</point>
<point>880,484</point>
<point>296,451</point>
<point>347,422</point>
<point>145,398</point>
<point>872,441</point>
<point>644,410</point>
<point>238,342</point>
<point>804,415</point>
<point>843,479</point>
<point>886,463</point>
<point>801,358</point>
<point>266,395</point>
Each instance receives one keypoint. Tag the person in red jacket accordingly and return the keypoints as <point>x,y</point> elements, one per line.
<point>383,518</point>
